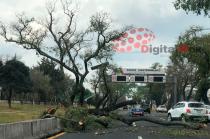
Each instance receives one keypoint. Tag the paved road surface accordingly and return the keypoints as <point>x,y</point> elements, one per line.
<point>143,130</point>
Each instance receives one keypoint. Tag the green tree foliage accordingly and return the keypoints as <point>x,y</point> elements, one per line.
<point>41,90</point>
<point>142,93</point>
<point>61,84</point>
<point>73,49</point>
<point>195,6</point>
<point>108,93</point>
<point>15,78</point>
<point>156,90</point>
<point>198,55</point>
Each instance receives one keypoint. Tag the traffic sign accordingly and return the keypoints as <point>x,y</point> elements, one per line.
<point>140,76</point>
<point>120,78</point>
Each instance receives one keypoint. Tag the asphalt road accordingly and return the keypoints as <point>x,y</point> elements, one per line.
<point>142,130</point>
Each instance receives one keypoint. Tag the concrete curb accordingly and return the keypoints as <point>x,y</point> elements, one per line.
<point>33,129</point>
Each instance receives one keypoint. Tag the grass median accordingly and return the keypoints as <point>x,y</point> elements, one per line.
<point>22,112</point>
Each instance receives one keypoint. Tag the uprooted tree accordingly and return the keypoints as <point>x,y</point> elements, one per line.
<point>59,40</point>
<point>109,96</point>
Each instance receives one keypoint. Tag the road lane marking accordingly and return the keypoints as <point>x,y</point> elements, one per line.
<point>140,137</point>
<point>56,136</point>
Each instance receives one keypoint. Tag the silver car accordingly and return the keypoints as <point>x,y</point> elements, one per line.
<point>188,110</point>
<point>208,111</point>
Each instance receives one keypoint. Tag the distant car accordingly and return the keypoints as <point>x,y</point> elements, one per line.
<point>125,107</point>
<point>146,108</point>
<point>208,111</point>
<point>136,111</point>
<point>188,111</point>
<point>161,108</point>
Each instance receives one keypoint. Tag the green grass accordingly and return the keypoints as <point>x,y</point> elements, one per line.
<point>22,112</point>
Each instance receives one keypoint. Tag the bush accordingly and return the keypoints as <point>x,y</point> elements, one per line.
<point>75,118</point>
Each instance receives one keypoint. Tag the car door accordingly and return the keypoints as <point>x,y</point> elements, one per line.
<point>174,110</point>
<point>180,110</point>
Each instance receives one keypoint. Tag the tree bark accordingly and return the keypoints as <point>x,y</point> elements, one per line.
<point>119,105</point>
<point>129,121</point>
<point>106,110</point>
<point>82,94</point>
<point>9,98</point>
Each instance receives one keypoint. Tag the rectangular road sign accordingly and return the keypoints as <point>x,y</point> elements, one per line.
<point>120,78</point>
<point>127,71</point>
<point>138,78</point>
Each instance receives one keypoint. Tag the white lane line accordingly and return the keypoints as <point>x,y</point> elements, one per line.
<point>140,137</point>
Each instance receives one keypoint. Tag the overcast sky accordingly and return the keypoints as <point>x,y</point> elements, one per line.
<point>157,15</point>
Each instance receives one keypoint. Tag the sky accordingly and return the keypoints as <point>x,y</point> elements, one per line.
<point>159,16</point>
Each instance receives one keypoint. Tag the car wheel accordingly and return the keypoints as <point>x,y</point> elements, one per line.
<point>169,118</point>
<point>183,118</point>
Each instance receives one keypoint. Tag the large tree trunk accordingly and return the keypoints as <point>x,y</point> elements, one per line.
<point>9,98</point>
<point>108,109</point>
<point>119,105</point>
<point>82,94</point>
<point>190,92</point>
<point>129,121</point>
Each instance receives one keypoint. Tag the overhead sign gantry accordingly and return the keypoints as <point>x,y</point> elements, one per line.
<point>140,76</point>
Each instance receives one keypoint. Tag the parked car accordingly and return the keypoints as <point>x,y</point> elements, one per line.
<point>136,111</point>
<point>146,108</point>
<point>125,107</point>
<point>208,111</point>
<point>188,111</point>
<point>161,108</point>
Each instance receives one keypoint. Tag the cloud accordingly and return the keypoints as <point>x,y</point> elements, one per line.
<point>158,15</point>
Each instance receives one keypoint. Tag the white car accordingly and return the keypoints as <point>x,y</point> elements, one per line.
<point>161,108</point>
<point>208,111</point>
<point>188,110</point>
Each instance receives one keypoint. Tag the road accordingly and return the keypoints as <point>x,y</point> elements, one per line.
<point>142,130</point>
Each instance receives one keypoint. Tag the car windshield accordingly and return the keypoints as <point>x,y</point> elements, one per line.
<point>196,105</point>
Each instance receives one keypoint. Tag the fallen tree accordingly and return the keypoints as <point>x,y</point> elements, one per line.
<point>108,109</point>
<point>130,120</point>
<point>78,118</point>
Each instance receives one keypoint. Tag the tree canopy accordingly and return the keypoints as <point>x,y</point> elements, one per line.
<point>73,49</point>
<point>15,78</point>
<point>194,65</point>
<point>195,6</point>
